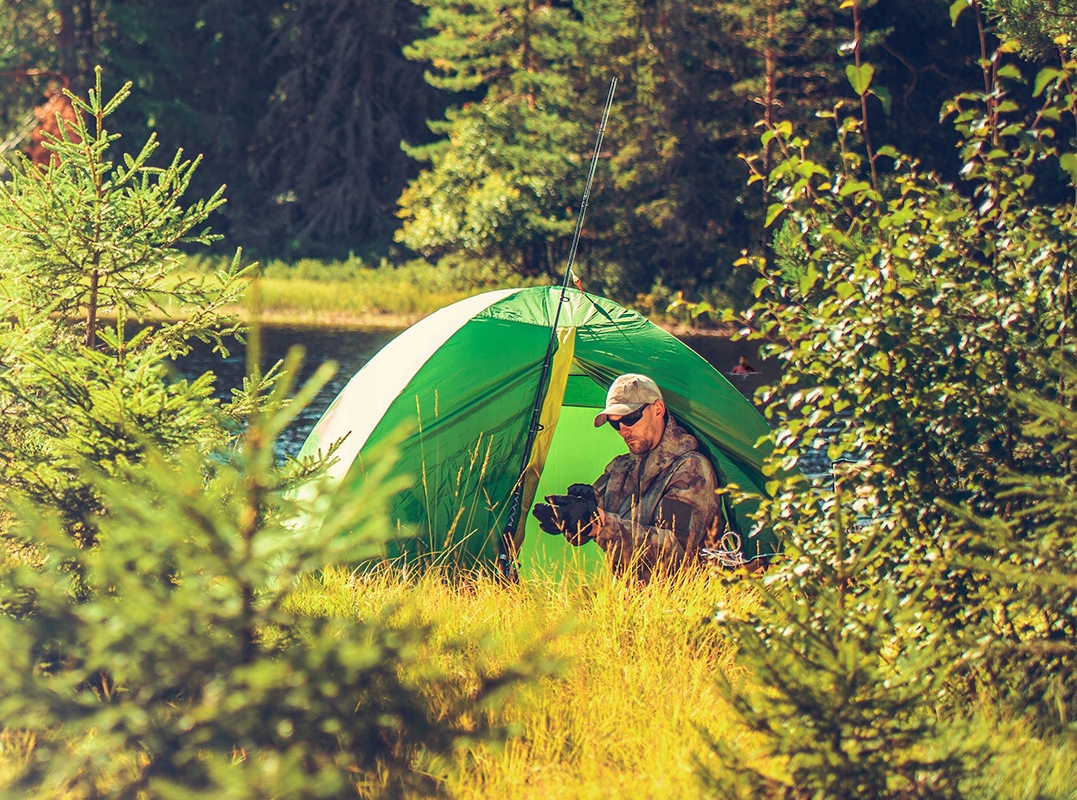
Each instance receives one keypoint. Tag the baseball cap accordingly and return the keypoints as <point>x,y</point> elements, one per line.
<point>627,393</point>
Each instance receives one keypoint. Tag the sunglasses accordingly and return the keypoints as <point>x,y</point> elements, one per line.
<point>628,420</point>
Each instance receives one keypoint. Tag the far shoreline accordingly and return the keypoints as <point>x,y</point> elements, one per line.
<point>343,320</point>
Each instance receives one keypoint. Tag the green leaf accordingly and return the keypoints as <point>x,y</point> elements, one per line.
<point>773,210</point>
<point>837,237</point>
<point>808,280</point>
<point>888,151</point>
<point>884,97</point>
<point>1010,71</point>
<point>956,8</point>
<point>702,307</point>
<point>1068,162</point>
<point>860,78</point>
<point>1043,78</point>
<point>850,187</point>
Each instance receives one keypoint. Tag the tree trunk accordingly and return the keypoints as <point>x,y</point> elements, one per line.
<point>87,42</point>
<point>771,61</point>
<point>65,42</point>
<point>91,311</point>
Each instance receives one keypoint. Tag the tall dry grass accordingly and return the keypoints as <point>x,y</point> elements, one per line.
<point>629,701</point>
<point>623,713</point>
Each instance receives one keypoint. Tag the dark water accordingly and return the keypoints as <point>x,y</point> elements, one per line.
<point>352,348</point>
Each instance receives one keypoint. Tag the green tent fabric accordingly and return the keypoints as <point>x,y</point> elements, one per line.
<point>462,383</point>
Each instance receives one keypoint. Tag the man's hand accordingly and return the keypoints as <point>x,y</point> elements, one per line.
<point>572,514</point>
<point>547,518</point>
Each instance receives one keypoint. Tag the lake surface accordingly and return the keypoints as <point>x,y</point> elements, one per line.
<point>351,348</point>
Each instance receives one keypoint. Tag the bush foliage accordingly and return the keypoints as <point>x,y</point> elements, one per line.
<point>151,547</point>
<point>926,330</point>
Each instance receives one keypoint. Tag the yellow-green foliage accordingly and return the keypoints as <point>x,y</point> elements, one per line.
<point>623,713</point>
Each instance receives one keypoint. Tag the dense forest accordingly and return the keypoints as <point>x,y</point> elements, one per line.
<point>461,130</point>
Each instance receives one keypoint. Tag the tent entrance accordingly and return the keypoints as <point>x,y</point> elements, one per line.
<point>577,452</point>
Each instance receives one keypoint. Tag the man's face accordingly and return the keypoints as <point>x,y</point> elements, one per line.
<point>645,434</point>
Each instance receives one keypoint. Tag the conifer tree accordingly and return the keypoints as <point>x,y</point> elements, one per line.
<point>1040,27</point>
<point>170,661</point>
<point>27,42</point>
<point>1021,621</point>
<point>328,146</point>
<point>88,239</point>
<point>694,81</point>
<point>501,183</point>
<point>851,677</point>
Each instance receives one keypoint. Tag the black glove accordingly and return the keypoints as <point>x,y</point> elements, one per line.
<point>584,490</point>
<point>547,520</point>
<point>572,514</point>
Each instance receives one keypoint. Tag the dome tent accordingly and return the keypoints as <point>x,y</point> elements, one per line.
<point>463,382</point>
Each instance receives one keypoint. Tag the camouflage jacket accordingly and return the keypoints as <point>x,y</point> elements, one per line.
<point>660,507</point>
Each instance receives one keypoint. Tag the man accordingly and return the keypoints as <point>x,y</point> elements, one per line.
<point>654,508</point>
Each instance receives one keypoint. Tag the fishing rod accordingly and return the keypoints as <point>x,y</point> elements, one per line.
<point>507,557</point>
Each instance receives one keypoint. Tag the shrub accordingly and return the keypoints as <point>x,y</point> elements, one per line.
<point>915,319</point>
<point>166,660</point>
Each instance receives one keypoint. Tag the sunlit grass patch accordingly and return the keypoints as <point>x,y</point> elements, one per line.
<point>622,715</point>
<point>16,755</point>
<point>353,291</point>
<point>314,301</point>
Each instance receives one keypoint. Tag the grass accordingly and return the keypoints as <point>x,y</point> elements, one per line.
<point>624,713</point>
<point>620,710</point>
<point>353,292</point>
<point>630,701</point>
<point>620,714</point>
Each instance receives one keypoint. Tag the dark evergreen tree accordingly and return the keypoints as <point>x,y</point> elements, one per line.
<point>199,68</point>
<point>1040,27</point>
<point>328,154</point>
<point>670,204</point>
<point>28,64</point>
<point>502,181</point>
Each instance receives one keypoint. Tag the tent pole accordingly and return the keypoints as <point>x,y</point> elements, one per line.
<point>506,559</point>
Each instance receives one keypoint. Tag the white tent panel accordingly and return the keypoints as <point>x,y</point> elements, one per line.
<point>384,377</point>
